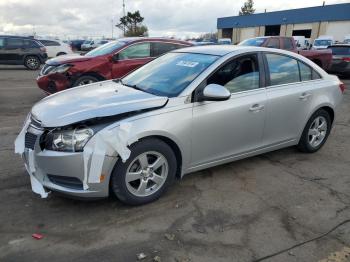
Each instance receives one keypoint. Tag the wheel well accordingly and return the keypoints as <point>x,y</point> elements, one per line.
<point>330,111</point>
<point>176,150</point>
<point>93,74</point>
<point>24,59</point>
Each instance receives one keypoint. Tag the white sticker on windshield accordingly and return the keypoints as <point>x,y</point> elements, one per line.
<point>187,63</point>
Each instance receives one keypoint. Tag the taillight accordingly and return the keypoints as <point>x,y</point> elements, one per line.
<point>346,59</point>
<point>342,87</point>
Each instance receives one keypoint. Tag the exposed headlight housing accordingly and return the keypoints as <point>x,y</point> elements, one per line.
<point>60,69</point>
<point>72,140</point>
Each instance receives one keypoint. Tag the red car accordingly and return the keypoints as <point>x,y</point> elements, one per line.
<point>110,61</point>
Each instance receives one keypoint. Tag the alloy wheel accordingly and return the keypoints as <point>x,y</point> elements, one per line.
<point>86,82</point>
<point>146,174</point>
<point>32,63</point>
<point>317,131</point>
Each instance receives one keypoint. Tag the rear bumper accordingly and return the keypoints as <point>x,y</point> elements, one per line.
<point>340,68</point>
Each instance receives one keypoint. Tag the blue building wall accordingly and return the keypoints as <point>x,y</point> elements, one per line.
<point>339,12</point>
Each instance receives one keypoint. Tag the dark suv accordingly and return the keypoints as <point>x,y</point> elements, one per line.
<point>17,50</point>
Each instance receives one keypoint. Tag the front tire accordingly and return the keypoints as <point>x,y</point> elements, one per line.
<point>32,62</point>
<point>316,132</point>
<point>146,175</point>
<point>85,80</point>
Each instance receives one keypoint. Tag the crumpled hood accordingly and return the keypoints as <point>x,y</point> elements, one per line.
<point>65,59</point>
<point>95,100</point>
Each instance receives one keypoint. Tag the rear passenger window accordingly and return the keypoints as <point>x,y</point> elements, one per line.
<point>2,42</point>
<point>49,43</point>
<point>315,75</point>
<point>273,43</point>
<point>283,69</point>
<point>287,43</point>
<point>30,43</point>
<point>305,72</point>
<point>14,42</point>
<point>159,48</point>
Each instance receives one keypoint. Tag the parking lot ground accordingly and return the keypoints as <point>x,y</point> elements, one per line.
<point>236,212</point>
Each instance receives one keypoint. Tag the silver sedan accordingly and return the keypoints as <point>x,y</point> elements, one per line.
<point>185,111</point>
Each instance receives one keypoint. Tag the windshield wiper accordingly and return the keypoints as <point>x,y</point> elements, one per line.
<point>119,80</point>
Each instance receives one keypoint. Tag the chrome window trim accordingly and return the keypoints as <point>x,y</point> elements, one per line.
<point>147,41</point>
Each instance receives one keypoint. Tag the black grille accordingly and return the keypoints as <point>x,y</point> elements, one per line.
<point>66,181</point>
<point>29,141</point>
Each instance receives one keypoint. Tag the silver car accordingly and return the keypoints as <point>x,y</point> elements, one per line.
<point>187,110</point>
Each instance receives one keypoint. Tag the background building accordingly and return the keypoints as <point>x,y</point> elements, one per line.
<point>310,22</point>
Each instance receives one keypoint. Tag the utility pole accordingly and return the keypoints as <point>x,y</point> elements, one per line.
<point>112,21</point>
<point>124,16</point>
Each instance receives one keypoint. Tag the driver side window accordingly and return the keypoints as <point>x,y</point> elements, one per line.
<point>240,74</point>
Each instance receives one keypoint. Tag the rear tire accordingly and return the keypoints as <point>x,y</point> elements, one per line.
<point>32,62</point>
<point>85,80</point>
<point>147,173</point>
<point>316,132</point>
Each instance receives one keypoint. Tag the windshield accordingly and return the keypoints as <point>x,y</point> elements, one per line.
<point>323,42</point>
<point>253,41</point>
<point>169,74</point>
<point>105,49</point>
<point>347,41</point>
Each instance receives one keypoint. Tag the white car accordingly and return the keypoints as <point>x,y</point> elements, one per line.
<point>323,42</point>
<point>88,45</point>
<point>56,48</point>
<point>98,43</point>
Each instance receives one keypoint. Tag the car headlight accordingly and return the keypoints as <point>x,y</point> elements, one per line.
<point>72,140</point>
<point>61,69</point>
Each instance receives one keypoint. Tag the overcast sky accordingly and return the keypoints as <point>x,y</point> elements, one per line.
<point>93,18</point>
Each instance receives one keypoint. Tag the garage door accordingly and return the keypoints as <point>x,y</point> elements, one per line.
<point>248,32</point>
<point>338,30</point>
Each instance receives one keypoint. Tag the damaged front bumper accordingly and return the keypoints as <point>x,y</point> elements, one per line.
<point>63,172</point>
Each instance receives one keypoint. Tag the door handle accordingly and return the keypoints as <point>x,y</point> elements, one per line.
<point>256,108</point>
<point>304,96</point>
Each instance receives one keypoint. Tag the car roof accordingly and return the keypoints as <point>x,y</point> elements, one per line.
<point>218,50</point>
<point>339,45</point>
<point>162,39</point>
<point>17,36</point>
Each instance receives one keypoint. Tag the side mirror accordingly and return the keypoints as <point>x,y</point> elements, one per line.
<point>214,92</point>
<point>115,57</point>
<point>299,45</point>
